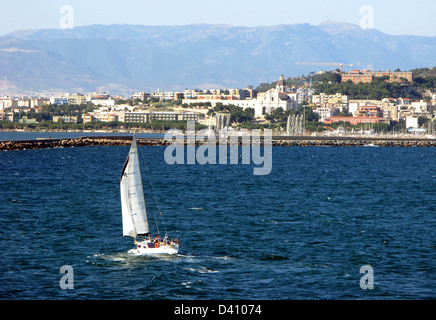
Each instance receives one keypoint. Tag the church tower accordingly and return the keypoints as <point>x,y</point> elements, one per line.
<point>281,85</point>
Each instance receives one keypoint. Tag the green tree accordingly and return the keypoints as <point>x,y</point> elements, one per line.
<point>237,114</point>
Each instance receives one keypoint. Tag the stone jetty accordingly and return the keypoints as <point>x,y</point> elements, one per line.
<point>353,141</point>
<point>333,141</point>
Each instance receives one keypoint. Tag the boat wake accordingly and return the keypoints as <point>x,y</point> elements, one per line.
<point>126,259</point>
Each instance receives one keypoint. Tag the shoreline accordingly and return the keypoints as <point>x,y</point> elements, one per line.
<point>84,131</point>
<point>332,141</point>
<point>406,136</point>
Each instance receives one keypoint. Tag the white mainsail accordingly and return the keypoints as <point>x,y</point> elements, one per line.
<point>132,196</point>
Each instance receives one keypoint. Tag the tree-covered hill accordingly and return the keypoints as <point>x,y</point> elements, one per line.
<point>424,79</point>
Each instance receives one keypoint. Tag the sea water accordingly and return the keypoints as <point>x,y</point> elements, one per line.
<point>302,232</point>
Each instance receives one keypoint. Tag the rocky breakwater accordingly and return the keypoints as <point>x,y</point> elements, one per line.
<point>63,143</point>
<point>276,141</point>
<point>356,142</point>
<point>84,142</point>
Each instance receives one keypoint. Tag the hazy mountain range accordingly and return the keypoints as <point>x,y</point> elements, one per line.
<point>126,58</point>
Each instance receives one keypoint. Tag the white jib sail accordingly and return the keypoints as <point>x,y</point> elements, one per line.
<point>132,196</point>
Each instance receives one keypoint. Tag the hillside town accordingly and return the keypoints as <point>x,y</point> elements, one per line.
<point>200,105</point>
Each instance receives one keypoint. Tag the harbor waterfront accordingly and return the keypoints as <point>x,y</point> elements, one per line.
<point>116,140</point>
<point>218,160</point>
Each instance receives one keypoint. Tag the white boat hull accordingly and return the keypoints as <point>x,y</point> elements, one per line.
<point>150,248</point>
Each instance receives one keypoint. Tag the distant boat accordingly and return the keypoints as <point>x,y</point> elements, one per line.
<point>134,213</point>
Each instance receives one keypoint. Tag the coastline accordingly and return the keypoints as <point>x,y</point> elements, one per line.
<point>140,130</point>
<point>332,141</point>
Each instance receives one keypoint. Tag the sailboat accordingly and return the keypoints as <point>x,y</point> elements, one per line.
<point>134,213</point>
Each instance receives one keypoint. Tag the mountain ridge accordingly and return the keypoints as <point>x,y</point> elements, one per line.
<point>123,58</point>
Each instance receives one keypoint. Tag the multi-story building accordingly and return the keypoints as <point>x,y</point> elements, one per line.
<point>369,111</point>
<point>7,102</point>
<point>395,76</point>
<point>305,94</point>
<point>245,93</point>
<point>323,99</point>
<point>25,119</point>
<point>59,100</point>
<point>87,117</point>
<point>192,93</point>
<point>356,76</point>
<point>412,122</point>
<point>65,119</point>
<point>173,95</point>
<point>12,116</point>
<point>162,116</point>
<point>354,120</point>
<point>76,98</point>
<point>38,102</point>
<point>141,117</point>
<point>24,102</point>
<point>392,108</point>
<point>365,76</point>
<point>101,116</point>
<point>219,94</point>
<point>135,117</point>
<point>390,111</point>
<point>140,95</point>
<point>187,116</point>
<point>333,101</point>
<point>353,105</point>
<point>325,112</point>
<point>8,116</point>
<point>159,95</point>
<point>170,95</point>
<point>102,102</point>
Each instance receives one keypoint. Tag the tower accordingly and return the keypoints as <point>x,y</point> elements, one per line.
<point>281,85</point>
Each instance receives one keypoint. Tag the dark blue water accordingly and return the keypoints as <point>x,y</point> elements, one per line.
<point>301,232</point>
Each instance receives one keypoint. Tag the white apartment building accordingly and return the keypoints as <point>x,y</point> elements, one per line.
<point>103,102</point>
<point>325,112</point>
<point>192,93</point>
<point>305,94</point>
<point>76,98</point>
<point>338,99</point>
<point>7,102</point>
<point>419,107</point>
<point>65,119</point>
<point>140,95</point>
<point>103,116</point>
<point>411,122</point>
<point>38,102</point>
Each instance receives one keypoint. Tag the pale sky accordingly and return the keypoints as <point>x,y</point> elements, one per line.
<point>394,17</point>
